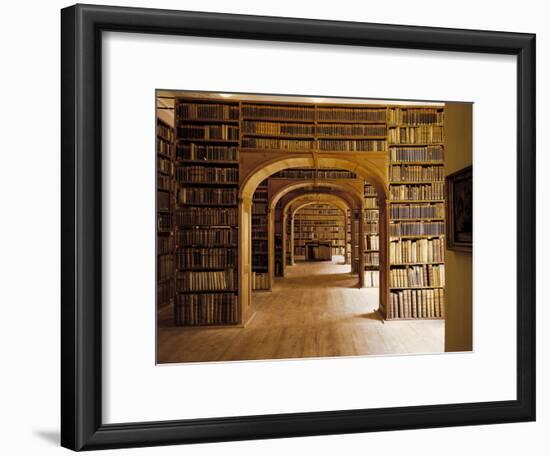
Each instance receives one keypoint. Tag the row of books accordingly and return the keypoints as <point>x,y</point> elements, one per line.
<point>417,211</point>
<point>259,261</point>
<point>371,227</point>
<point>369,190</point>
<point>313,173</point>
<point>164,165</point>
<point>223,132</point>
<point>372,242</point>
<point>274,128</point>
<point>210,111</point>
<point>259,246</point>
<point>164,148</point>
<point>425,134</point>
<point>279,144</point>
<point>306,212</point>
<point>351,114</point>
<point>417,229</point>
<point>163,201</point>
<point>165,293</point>
<point>372,279</point>
<point>165,244</point>
<point>164,222</point>
<point>164,182</point>
<point>259,208</point>
<point>426,275</point>
<point>205,280</point>
<point>417,251</point>
<point>260,281</point>
<point>218,196</point>
<point>278,112</point>
<point>372,259</point>
<point>205,174</point>
<point>192,151</point>
<point>213,237</point>
<point>418,304</point>
<point>433,191</point>
<point>416,173</point>
<point>206,309</point>
<point>165,267</point>
<point>165,132</point>
<point>371,203</point>
<point>350,130</point>
<point>259,232</point>
<point>206,216</point>
<point>416,116</point>
<point>416,154</point>
<point>349,145</point>
<point>371,215</point>
<point>203,257</point>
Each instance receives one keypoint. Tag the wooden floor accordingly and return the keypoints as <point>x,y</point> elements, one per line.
<point>315,311</point>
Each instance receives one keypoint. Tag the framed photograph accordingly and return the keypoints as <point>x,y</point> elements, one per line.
<point>267,225</point>
<point>460,210</point>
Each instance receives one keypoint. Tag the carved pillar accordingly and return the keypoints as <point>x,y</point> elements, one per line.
<point>362,247</point>
<point>292,239</point>
<point>245,258</point>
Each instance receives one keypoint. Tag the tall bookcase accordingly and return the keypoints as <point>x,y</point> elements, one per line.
<point>207,182</point>
<point>260,276</point>
<point>416,213</point>
<point>372,238</point>
<point>165,207</point>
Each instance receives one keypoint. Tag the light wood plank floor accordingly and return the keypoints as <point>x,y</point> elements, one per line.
<point>315,311</point>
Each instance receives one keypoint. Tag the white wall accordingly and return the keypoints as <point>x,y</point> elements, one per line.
<point>29,285</point>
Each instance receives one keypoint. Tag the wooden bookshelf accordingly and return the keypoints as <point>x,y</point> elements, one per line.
<point>372,238</point>
<point>260,275</point>
<point>206,212</point>
<point>416,213</point>
<point>165,206</point>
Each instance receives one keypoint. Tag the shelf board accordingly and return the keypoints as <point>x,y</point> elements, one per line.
<point>206,246</point>
<point>419,236</point>
<point>210,184</point>
<point>352,137</point>
<point>281,136</point>
<point>355,122</point>
<point>415,144</point>
<point>276,119</point>
<point>426,162</point>
<point>206,120</point>
<point>417,201</point>
<point>417,219</point>
<point>206,205</point>
<point>206,291</point>
<point>187,226</point>
<point>203,140</point>
<point>206,268</point>
<point>207,162</point>
<point>416,264</point>
<point>417,288</point>
<point>416,182</point>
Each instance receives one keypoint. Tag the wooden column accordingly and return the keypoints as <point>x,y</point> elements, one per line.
<point>245,258</point>
<point>292,240</point>
<point>271,245</point>
<point>352,243</point>
<point>283,237</point>
<point>362,247</point>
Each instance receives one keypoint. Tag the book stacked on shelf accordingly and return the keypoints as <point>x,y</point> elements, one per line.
<point>208,132</point>
<point>424,134</point>
<point>372,279</point>
<point>352,145</point>
<point>418,303</point>
<point>207,111</point>
<point>206,258</point>
<point>278,129</point>
<point>430,173</point>
<point>211,196</point>
<point>198,152</point>
<point>416,154</point>
<point>426,275</point>
<point>314,174</point>
<point>415,116</point>
<point>195,216</point>
<point>205,280</point>
<point>226,237</point>
<point>359,114</point>
<point>207,174</point>
<point>417,228</point>
<point>408,251</point>
<point>260,111</point>
<point>432,191</point>
<point>206,309</point>
<point>279,144</point>
<point>351,130</point>
<point>260,281</point>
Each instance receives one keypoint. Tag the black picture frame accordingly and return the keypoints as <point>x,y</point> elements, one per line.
<point>459,207</point>
<point>81,219</point>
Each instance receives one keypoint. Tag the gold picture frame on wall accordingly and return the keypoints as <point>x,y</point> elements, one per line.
<point>460,210</point>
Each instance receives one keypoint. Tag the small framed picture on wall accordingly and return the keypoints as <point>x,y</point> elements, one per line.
<point>459,210</point>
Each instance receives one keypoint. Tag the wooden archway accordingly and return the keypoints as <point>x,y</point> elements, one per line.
<point>369,167</point>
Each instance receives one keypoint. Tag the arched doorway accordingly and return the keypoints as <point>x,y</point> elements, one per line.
<point>371,169</point>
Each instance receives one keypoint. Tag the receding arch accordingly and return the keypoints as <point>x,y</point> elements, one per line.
<point>370,170</point>
<point>371,167</point>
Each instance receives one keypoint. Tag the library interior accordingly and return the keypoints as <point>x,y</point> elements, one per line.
<point>307,227</point>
